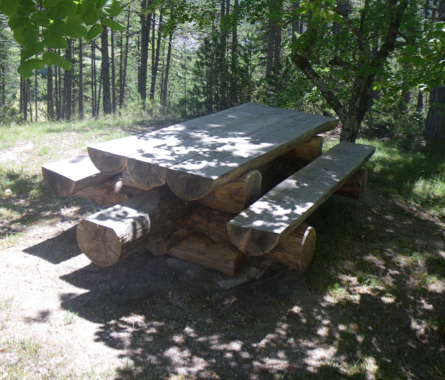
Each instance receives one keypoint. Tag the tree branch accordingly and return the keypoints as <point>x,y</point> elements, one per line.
<point>303,64</point>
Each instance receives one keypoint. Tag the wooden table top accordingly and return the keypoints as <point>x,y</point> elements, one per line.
<point>200,155</point>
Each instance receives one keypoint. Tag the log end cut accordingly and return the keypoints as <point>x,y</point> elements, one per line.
<point>60,185</point>
<point>296,250</point>
<point>252,242</point>
<point>145,175</point>
<point>100,244</point>
<point>189,187</point>
<point>107,163</point>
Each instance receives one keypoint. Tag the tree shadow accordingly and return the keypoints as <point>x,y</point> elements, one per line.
<point>360,311</point>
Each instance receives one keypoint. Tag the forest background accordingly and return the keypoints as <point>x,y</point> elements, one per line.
<point>381,63</point>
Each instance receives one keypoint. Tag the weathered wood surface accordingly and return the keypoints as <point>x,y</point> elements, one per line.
<point>200,155</point>
<point>109,235</point>
<point>196,177</point>
<point>109,193</point>
<point>111,156</point>
<point>297,249</point>
<point>257,230</point>
<point>235,196</point>
<point>223,258</point>
<point>149,168</point>
<point>69,176</point>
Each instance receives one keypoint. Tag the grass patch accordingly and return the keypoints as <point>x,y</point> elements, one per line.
<point>411,169</point>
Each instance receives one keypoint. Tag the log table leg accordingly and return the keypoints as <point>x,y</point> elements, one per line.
<point>109,235</point>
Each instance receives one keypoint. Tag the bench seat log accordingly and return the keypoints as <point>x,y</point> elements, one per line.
<point>69,176</point>
<point>110,192</point>
<point>110,157</point>
<point>111,234</point>
<point>258,229</point>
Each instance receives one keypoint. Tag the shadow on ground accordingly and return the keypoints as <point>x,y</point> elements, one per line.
<point>370,306</point>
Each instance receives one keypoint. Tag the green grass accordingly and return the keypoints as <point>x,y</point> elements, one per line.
<point>411,169</point>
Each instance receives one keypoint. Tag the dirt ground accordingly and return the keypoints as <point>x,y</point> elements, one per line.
<point>368,306</point>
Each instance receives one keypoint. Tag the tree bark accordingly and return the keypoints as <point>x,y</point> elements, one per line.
<point>50,94</point>
<point>145,38</point>
<point>105,72</point>
<point>67,84</point>
<point>80,79</point>
<point>435,122</point>
<point>155,65</point>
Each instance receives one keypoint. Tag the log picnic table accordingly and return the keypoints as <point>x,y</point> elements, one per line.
<point>214,190</point>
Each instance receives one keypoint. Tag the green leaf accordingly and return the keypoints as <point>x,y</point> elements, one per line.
<point>89,5</point>
<point>62,10</point>
<point>404,59</point>
<point>55,42</point>
<point>417,61</point>
<point>113,24</point>
<point>439,25</point>
<point>76,28</point>
<point>8,7</point>
<point>26,3</point>
<point>33,50</point>
<point>25,69</point>
<point>95,30</point>
<point>411,49</point>
<point>92,17</point>
<point>58,28</point>
<point>112,8</point>
<point>17,21</point>
<point>40,19</point>
<point>52,58</point>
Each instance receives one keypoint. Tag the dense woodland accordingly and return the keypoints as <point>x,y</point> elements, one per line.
<point>374,62</point>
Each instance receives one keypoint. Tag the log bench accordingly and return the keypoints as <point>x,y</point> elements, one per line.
<point>260,228</point>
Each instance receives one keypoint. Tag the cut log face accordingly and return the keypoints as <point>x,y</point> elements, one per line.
<point>235,196</point>
<point>257,230</point>
<point>296,250</point>
<point>194,178</point>
<point>355,187</point>
<point>69,176</point>
<point>109,235</point>
<point>109,193</point>
<point>221,257</point>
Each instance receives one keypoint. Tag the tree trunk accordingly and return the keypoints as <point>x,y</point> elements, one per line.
<point>80,79</point>
<point>167,70</point>
<point>145,38</point>
<point>105,72</point>
<point>113,75</point>
<point>435,122</point>
<point>93,79</point>
<point>50,94</point>
<point>67,84</point>
<point>156,59</point>
<point>123,71</point>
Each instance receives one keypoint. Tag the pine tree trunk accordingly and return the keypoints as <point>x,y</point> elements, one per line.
<point>50,94</point>
<point>234,77</point>
<point>156,58</point>
<point>167,70</point>
<point>145,38</point>
<point>36,90</point>
<point>80,79</point>
<point>67,84</point>
<point>123,71</point>
<point>113,75</point>
<point>105,72</point>
<point>93,79</point>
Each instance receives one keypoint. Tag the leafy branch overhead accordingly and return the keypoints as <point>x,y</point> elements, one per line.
<point>41,26</point>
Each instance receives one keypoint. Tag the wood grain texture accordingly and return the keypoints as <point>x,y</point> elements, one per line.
<point>355,187</point>
<point>109,193</point>
<point>297,249</point>
<point>223,258</point>
<point>194,178</point>
<point>235,196</point>
<point>257,230</point>
<point>110,157</point>
<point>109,235</point>
<point>149,166</point>
<point>69,176</point>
